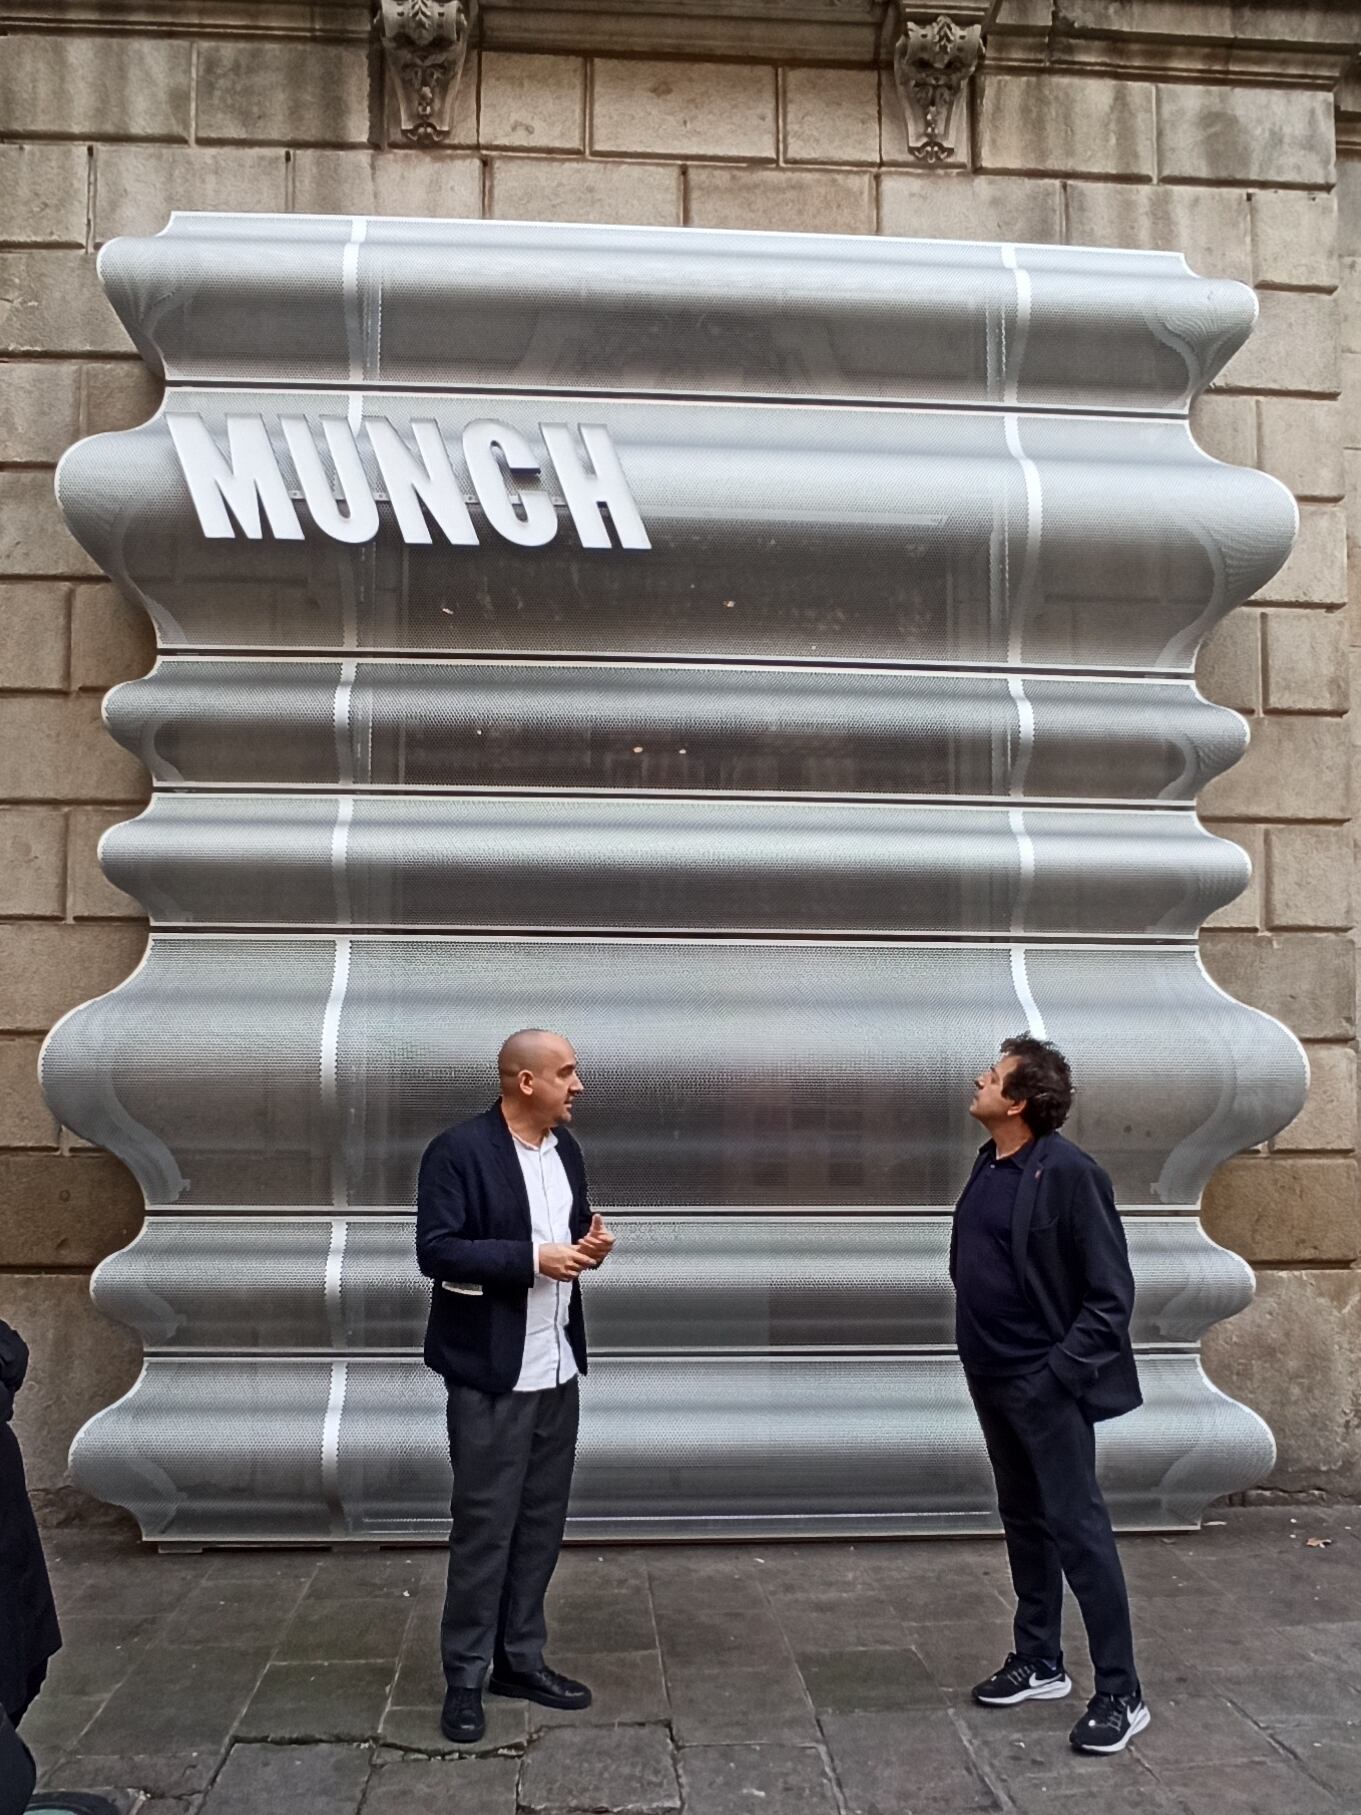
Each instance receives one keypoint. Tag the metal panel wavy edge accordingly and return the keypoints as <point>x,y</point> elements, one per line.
<point>333,1058</point>
<point>721,1283</point>
<point>1046,509</point>
<point>671,730</point>
<point>345,300</point>
<point>212,1451</point>
<point>767,531</point>
<point>826,867</point>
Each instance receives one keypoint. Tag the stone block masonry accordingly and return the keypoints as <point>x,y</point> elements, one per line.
<point>1144,125</point>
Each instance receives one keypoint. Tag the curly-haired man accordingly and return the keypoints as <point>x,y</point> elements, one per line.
<point>1043,1295</point>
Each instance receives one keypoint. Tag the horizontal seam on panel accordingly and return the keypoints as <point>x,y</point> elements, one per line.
<point>772,935</point>
<point>1002,804</point>
<point>770,400</point>
<point>633,936</point>
<point>416,791</point>
<point>610,660</point>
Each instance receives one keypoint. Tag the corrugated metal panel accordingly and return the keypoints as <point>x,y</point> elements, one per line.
<point>873,742</point>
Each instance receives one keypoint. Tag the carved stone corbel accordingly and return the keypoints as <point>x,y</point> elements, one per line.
<point>933,64</point>
<point>425,43</point>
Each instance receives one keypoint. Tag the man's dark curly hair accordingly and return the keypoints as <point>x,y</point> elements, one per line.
<point>1041,1080</point>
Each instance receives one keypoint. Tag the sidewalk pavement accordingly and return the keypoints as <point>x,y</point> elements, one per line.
<point>806,1679</point>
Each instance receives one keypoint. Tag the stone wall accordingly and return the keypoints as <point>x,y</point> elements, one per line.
<point>1206,127</point>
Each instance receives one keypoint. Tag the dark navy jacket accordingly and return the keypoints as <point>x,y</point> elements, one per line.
<point>473,1233</point>
<point>1068,1246</point>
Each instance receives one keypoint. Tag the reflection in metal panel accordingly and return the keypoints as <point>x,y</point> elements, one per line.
<point>766,657</point>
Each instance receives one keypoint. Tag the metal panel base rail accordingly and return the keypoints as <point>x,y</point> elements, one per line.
<point>768,658</point>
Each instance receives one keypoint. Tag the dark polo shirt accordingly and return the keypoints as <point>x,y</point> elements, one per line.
<point>997,1329</point>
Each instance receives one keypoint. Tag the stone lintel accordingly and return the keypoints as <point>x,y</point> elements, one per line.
<point>1266,41</point>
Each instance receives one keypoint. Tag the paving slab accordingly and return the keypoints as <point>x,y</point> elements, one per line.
<point>483,1786</point>
<point>418,1730</point>
<point>98,1651</point>
<point>1200,1729</point>
<point>712,1705</point>
<point>294,1567</point>
<point>305,1780</point>
<point>128,1586</point>
<point>419,1679</point>
<point>627,1688</point>
<point>250,1616</point>
<point>593,1616</point>
<point>628,1769</point>
<point>737,1780</point>
<point>888,1764</point>
<point>828,1619</point>
<point>1329,1752</point>
<point>959,1653</point>
<point>331,1629</point>
<point>609,1569</point>
<point>1267,1695</point>
<point>161,1774</point>
<point>1025,1751</point>
<point>1250,1789</point>
<point>1337,1644</point>
<point>318,1701</point>
<point>867,1681</point>
<point>1192,1663</point>
<point>356,1575</point>
<point>1138,1797</point>
<point>55,1722</point>
<point>919,1603</point>
<point>799,1568</point>
<point>176,1700</point>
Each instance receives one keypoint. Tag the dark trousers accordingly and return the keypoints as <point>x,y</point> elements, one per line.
<point>512,1455</point>
<point>1043,1455</point>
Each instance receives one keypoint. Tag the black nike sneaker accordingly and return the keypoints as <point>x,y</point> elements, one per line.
<point>1023,1679</point>
<point>1110,1723</point>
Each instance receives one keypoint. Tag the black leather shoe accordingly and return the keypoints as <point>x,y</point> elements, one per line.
<point>462,1719</point>
<point>543,1686</point>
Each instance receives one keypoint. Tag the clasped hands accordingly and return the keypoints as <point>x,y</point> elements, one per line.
<point>564,1260</point>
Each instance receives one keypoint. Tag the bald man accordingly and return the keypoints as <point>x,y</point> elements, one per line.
<point>504,1229</point>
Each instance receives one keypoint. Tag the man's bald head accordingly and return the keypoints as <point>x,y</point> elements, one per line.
<point>531,1049</point>
<point>539,1081</point>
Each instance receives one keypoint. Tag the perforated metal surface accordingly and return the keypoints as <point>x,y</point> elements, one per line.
<point>853,732</point>
<point>673,1448</point>
<point>826,1280</point>
<point>663,865</point>
<point>649,310</point>
<point>627,728</point>
<point>719,1072</point>
<point>818,533</point>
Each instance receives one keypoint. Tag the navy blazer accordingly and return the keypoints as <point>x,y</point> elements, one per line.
<point>1068,1248</point>
<point>474,1240</point>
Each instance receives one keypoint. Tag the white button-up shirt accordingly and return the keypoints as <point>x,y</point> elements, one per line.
<point>548,1358</point>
